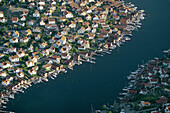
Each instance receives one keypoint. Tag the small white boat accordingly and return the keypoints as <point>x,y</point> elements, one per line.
<point>4,106</point>
<point>127,39</point>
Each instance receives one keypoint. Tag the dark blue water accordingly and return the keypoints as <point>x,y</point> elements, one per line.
<point>100,83</point>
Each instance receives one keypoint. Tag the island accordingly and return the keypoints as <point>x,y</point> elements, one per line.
<point>148,90</point>
<point>41,38</point>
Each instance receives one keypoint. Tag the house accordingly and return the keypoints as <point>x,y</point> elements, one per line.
<point>83,3</point>
<point>40,7</point>
<point>31,22</point>
<point>6,82</point>
<point>116,17</point>
<point>1,55</point>
<point>143,103</point>
<point>62,19</point>
<point>47,66</point>
<point>68,46</point>
<point>63,40</point>
<point>3,74</point>
<point>52,49</point>
<point>88,17</point>
<point>24,40</point>
<point>80,41</point>
<point>65,56</point>
<point>37,37</point>
<point>45,52</point>
<point>36,29</point>
<point>52,40</point>
<point>23,18</point>
<point>53,7</point>
<point>28,32</point>
<point>29,63</point>
<point>63,8</point>
<point>162,100</point>
<point>5,64</point>
<point>64,50</point>
<point>16,34</point>
<point>83,54</point>
<point>153,81</point>
<point>68,14</point>
<point>33,58</point>
<point>35,67</point>
<point>18,70</point>
<point>55,67</point>
<point>167,109</point>
<point>86,44</point>
<point>32,72</point>
<point>43,45</point>
<point>20,53</point>
<point>34,53</point>
<point>51,21</point>
<point>20,74</point>
<point>81,30</point>
<point>81,47</point>
<point>14,58</point>
<point>14,19</point>
<point>93,30</point>
<point>123,10</point>
<point>88,28</point>
<point>42,23</point>
<point>71,39</point>
<point>69,63</point>
<point>36,14</point>
<point>95,18</point>
<point>1,14</point>
<point>76,58</point>
<point>13,40</point>
<point>72,24</point>
<point>3,20</point>
<point>143,91</point>
<point>57,44</point>
<point>55,58</point>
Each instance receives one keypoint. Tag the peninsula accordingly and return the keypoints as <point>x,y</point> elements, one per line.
<point>148,89</point>
<point>41,38</point>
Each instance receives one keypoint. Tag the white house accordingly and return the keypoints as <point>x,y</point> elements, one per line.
<point>42,23</point>
<point>5,64</point>
<point>32,71</point>
<point>65,56</point>
<point>14,58</point>
<point>1,14</point>
<point>29,63</point>
<point>20,74</point>
<point>6,82</point>
<point>51,21</point>
<point>36,14</point>
<point>33,58</point>
<point>3,74</point>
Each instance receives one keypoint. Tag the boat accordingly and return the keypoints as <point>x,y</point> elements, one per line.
<point>120,98</point>
<point>125,89</point>
<point>45,79</point>
<point>141,11</point>
<point>11,96</point>
<point>108,52</point>
<point>4,106</point>
<point>52,78</point>
<point>127,39</point>
<point>123,94</point>
<point>92,61</point>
